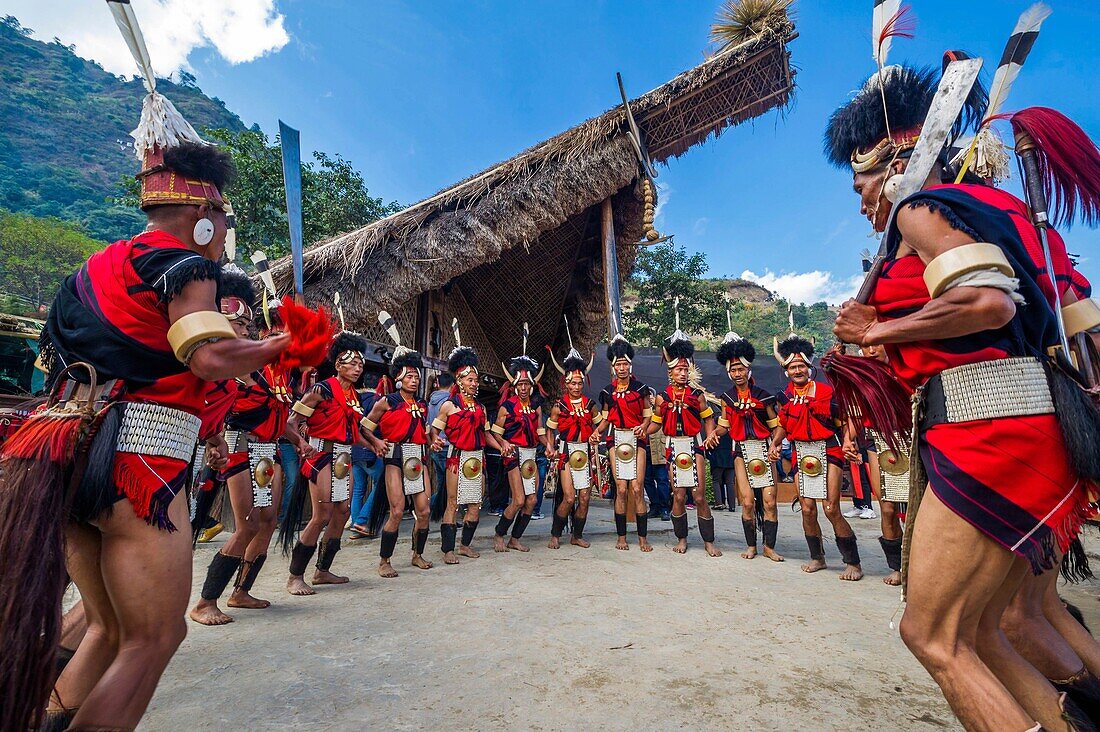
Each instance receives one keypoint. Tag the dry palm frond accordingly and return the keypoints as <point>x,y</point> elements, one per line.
<point>739,21</point>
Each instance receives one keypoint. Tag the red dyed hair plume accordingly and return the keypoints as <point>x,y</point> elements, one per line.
<point>1069,163</point>
<point>311,332</point>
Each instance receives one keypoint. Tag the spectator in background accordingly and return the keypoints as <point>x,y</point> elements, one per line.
<point>861,478</point>
<point>722,477</point>
<point>365,465</point>
<point>783,466</point>
<point>656,479</point>
<point>440,392</point>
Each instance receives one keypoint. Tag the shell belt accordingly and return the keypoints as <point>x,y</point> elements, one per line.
<point>153,429</point>
<point>1010,387</point>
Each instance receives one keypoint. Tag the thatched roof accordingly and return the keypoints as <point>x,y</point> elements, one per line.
<point>531,221</point>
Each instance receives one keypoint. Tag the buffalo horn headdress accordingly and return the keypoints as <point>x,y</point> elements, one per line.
<point>792,347</point>
<point>679,351</point>
<point>573,361</point>
<point>462,358</point>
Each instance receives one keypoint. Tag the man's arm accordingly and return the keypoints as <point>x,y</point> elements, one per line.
<point>369,424</point>
<point>655,421</point>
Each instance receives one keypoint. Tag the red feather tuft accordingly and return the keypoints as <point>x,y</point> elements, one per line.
<point>1068,161</point>
<point>311,333</point>
<point>866,387</point>
<point>901,25</point>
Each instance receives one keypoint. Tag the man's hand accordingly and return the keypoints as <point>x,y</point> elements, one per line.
<point>773,453</point>
<point>853,321</point>
<point>437,444</point>
<point>306,450</point>
<point>851,452</point>
<point>594,439</point>
<point>640,431</point>
<point>711,441</point>
<point>217,452</point>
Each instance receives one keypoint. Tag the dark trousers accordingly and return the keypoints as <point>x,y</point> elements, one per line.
<point>657,488</point>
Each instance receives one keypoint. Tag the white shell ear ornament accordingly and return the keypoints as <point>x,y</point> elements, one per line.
<point>891,188</point>
<point>203,233</point>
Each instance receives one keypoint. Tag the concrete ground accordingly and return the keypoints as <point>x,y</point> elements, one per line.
<point>573,639</point>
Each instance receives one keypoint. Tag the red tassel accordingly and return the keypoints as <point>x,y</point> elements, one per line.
<point>311,333</point>
<point>901,25</point>
<point>866,388</point>
<point>1069,162</point>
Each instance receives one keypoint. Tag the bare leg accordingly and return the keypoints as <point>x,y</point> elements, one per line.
<point>891,530</point>
<point>702,508</point>
<point>147,575</point>
<point>395,494</point>
<point>341,512</point>
<point>621,490</point>
<point>450,511</point>
<point>528,508</point>
<point>422,508</point>
<point>561,512</point>
<point>748,502</point>
<point>473,512</point>
<point>98,648</point>
<point>841,528</point>
<point>206,612</point>
<point>320,493</point>
<point>1082,642</point>
<point>582,513</point>
<point>1025,624</point>
<point>268,522</point>
<point>951,582</point>
<point>515,490</point>
<point>637,489</point>
<point>679,509</point>
<point>811,527</point>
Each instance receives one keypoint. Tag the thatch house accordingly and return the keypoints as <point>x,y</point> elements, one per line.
<point>524,240</point>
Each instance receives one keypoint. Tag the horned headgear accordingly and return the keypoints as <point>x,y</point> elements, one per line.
<point>573,363</point>
<point>620,349</point>
<point>463,359</point>
<point>235,293</point>
<point>523,367</point>
<point>679,351</point>
<point>793,347</point>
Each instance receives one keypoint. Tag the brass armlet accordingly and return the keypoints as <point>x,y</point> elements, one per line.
<point>1080,316</point>
<point>497,430</point>
<point>439,423</point>
<point>954,263</point>
<point>368,424</point>
<point>302,409</point>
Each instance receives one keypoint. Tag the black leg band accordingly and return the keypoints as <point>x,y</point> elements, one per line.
<point>447,533</point>
<point>642,521</point>
<point>245,582</point>
<point>503,524</point>
<point>750,531</point>
<point>817,549</point>
<point>578,526</point>
<point>680,526</point>
<point>1083,689</point>
<point>468,529</point>
<point>329,547</point>
<point>521,525</point>
<point>771,531</point>
<point>706,528</point>
<point>386,545</point>
<point>892,549</point>
<point>299,558</point>
<point>559,525</point>
<point>421,540</point>
<point>620,524</point>
<point>218,574</point>
<point>849,549</point>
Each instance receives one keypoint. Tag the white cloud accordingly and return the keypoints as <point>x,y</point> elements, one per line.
<point>700,226</point>
<point>807,287</point>
<point>239,30</point>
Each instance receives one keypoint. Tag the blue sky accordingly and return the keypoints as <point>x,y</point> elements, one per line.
<point>421,94</point>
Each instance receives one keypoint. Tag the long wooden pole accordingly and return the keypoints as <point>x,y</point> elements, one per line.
<point>611,270</point>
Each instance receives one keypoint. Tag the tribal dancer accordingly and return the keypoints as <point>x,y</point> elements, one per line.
<point>749,416</point>
<point>626,406</point>
<point>253,476</point>
<point>144,313</point>
<point>808,418</point>
<point>966,314</point>
<point>402,418</point>
<point>332,414</point>
<point>519,429</point>
<point>681,411</point>
<point>573,421</point>
<point>463,421</point>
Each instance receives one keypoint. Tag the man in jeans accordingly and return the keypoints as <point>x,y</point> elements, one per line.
<point>656,479</point>
<point>365,465</point>
<point>443,384</point>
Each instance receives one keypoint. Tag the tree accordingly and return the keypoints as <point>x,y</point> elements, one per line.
<point>335,198</point>
<point>661,274</point>
<point>37,254</point>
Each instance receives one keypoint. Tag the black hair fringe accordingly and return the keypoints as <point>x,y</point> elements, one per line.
<point>411,359</point>
<point>680,348</point>
<point>1075,563</point>
<point>199,268</point>
<point>460,358</point>
<point>295,510</point>
<point>346,341</point>
<point>619,347</point>
<point>1079,418</point>
<point>236,284</point>
<point>96,493</point>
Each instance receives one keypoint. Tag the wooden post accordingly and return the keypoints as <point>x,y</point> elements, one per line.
<point>614,308</point>
<point>611,270</point>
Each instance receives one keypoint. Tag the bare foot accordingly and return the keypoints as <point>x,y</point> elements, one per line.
<point>893,579</point>
<point>681,546</point>
<point>323,577</point>
<point>621,544</point>
<point>771,554</point>
<point>386,570</point>
<point>644,545</point>
<point>749,553</point>
<point>554,543</point>
<point>498,544</point>
<point>851,573</point>
<point>419,561</point>
<point>468,551</point>
<point>450,558</point>
<point>248,602</point>
<point>298,586</point>
<point>814,565</point>
<point>712,550</point>
<point>207,613</point>
<point>515,544</point>
<point>580,541</point>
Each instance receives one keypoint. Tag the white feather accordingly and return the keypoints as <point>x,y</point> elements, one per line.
<point>454,328</point>
<point>265,274</point>
<point>391,328</point>
<point>1029,22</point>
<point>131,33</point>
<point>880,18</point>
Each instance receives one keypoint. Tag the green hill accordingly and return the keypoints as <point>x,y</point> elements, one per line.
<point>65,132</point>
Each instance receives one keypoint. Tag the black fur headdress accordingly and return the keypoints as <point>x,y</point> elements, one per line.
<point>793,345</point>
<point>460,358</point>
<point>344,342</point>
<point>408,358</point>
<point>523,363</point>
<point>860,124</point>
<point>620,347</point>
<point>677,348</point>
<point>201,162</point>
<point>235,283</point>
<point>734,346</point>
